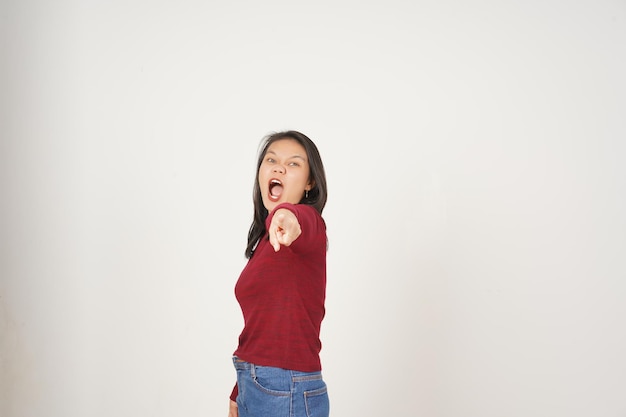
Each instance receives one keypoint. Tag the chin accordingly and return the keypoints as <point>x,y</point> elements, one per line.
<point>270,205</point>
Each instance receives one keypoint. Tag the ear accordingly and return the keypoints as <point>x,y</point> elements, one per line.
<point>310,185</point>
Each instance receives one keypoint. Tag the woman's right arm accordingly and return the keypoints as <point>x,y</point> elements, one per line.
<point>233,411</point>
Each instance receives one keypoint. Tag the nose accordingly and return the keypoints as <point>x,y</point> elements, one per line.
<point>278,168</point>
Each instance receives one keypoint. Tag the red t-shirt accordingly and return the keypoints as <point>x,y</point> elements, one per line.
<point>282,295</point>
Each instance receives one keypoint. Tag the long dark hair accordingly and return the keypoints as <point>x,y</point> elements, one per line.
<point>316,196</point>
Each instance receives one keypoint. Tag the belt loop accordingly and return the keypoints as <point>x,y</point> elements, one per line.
<point>252,371</point>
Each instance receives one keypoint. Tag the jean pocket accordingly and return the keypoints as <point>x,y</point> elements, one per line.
<point>272,381</point>
<point>316,401</point>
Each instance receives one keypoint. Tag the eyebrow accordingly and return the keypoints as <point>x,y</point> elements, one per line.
<point>291,157</point>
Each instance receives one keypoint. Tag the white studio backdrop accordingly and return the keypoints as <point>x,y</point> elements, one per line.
<point>474,153</point>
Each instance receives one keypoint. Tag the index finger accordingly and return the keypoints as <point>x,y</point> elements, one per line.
<point>273,235</point>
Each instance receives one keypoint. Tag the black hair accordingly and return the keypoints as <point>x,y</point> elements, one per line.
<point>316,197</point>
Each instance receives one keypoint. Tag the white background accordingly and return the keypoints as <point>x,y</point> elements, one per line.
<point>475,159</point>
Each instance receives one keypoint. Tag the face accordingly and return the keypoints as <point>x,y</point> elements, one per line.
<point>284,173</point>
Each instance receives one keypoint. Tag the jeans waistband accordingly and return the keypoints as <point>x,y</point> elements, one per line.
<point>240,364</point>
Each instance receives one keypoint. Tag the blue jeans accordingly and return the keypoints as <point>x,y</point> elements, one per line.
<point>265,391</point>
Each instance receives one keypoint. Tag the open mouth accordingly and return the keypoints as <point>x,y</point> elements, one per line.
<point>275,189</point>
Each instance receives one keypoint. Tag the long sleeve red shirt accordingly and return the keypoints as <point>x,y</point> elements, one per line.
<point>282,295</point>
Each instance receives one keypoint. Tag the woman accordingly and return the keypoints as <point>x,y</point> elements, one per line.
<point>282,289</point>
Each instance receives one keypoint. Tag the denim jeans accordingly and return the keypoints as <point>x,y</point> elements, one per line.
<point>274,392</point>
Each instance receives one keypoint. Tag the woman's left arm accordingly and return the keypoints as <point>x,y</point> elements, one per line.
<point>297,223</point>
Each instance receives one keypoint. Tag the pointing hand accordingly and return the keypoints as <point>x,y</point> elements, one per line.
<point>284,229</point>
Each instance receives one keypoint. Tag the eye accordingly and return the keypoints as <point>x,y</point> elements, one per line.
<point>294,164</point>
<point>270,160</point>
